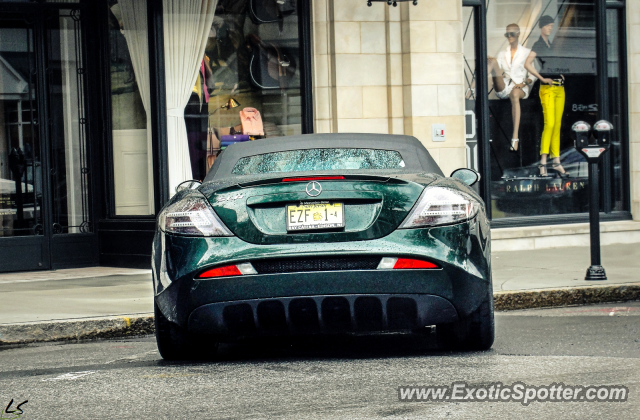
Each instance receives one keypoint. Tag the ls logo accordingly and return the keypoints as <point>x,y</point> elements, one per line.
<point>9,413</point>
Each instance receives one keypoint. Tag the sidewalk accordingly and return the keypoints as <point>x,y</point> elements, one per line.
<point>84,303</point>
<point>562,267</point>
<point>71,294</point>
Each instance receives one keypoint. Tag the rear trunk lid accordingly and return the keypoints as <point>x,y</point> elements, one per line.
<point>257,211</point>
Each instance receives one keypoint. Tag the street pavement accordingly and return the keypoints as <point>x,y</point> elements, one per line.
<point>334,378</point>
<point>102,291</point>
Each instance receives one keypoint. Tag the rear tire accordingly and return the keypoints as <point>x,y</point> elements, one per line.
<point>475,332</point>
<point>176,343</point>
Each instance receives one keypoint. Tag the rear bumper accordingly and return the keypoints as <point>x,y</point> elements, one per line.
<point>321,314</point>
<point>454,290</point>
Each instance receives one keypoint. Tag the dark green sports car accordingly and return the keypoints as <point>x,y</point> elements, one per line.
<point>323,234</point>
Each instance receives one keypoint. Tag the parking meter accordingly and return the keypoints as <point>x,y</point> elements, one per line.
<point>582,131</point>
<point>592,147</point>
<point>602,133</point>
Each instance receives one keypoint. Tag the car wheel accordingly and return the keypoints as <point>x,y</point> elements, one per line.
<point>474,332</point>
<point>176,343</point>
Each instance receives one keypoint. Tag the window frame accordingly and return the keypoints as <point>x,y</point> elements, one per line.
<point>484,148</point>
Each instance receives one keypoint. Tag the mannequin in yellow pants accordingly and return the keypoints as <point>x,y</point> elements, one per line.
<point>551,96</point>
<point>552,99</point>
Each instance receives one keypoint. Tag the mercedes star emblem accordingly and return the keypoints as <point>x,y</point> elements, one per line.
<point>313,189</point>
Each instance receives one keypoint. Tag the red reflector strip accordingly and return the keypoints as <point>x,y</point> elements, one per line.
<point>313,178</point>
<point>229,270</point>
<point>408,263</point>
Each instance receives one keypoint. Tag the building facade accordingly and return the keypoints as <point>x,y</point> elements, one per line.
<point>107,105</point>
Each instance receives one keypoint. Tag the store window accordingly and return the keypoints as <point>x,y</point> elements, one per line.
<point>20,145</point>
<point>542,78</point>
<point>232,74</point>
<point>614,168</point>
<point>130,98</point>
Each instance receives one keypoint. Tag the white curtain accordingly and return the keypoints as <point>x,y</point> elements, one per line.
<point>134,23</point>
<point>186,28</point>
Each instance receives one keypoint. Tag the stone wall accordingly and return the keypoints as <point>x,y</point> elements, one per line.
<point>395,70</point>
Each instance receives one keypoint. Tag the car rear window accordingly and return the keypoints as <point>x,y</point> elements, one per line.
<point>318,160</point>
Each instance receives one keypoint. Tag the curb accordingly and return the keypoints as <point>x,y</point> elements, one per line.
<point>121,326</point>
<point>568,296</point>
<point>85,329</point>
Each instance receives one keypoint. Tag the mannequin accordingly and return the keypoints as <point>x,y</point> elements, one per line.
<point>552,97</point>
<point>510,78</point>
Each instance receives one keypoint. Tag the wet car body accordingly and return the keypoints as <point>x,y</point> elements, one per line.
<point>328,281</point>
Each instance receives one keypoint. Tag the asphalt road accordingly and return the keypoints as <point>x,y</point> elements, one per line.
<point>333,378</point>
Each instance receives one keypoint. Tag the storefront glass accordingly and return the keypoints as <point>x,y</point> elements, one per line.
<point>615,166</point>
<point>130,96</point>
<point>534,168</point>
<point>70,170</point>
<point>232,74</point>
<point>20,155</point>
<point>22,185</point>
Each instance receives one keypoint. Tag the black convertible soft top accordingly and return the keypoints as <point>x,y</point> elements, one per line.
<point>415,155</point>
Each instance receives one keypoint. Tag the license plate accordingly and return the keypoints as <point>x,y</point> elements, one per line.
<point>319,215</point>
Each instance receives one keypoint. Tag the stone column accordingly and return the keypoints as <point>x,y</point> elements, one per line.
<point>322,39</point>
<point>359,66</point>
<point>433,84</point>
<point>633,42</point>
<point>395,70</point>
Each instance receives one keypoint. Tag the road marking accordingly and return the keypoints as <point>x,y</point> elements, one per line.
<point>133,358</point>
<point>171,375</point>
<point>70,376</point>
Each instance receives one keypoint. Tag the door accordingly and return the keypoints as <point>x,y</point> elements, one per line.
<point>45,178</point>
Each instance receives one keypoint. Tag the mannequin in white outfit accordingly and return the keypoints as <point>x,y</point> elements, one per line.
<point>510,78</point>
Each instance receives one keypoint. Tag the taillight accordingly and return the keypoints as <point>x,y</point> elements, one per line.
<point>407,263</point>
<point>192,216</point>
<point>389,263</point>
<point>228,271</point>
<point>440,206</point>
<point>313,178</point>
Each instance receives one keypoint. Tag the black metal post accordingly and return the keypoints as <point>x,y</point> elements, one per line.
<point>306,72</point>
<point>602,64</point>
<point>482,107</point>
<point>158,103</point>
<point>596,270</point>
